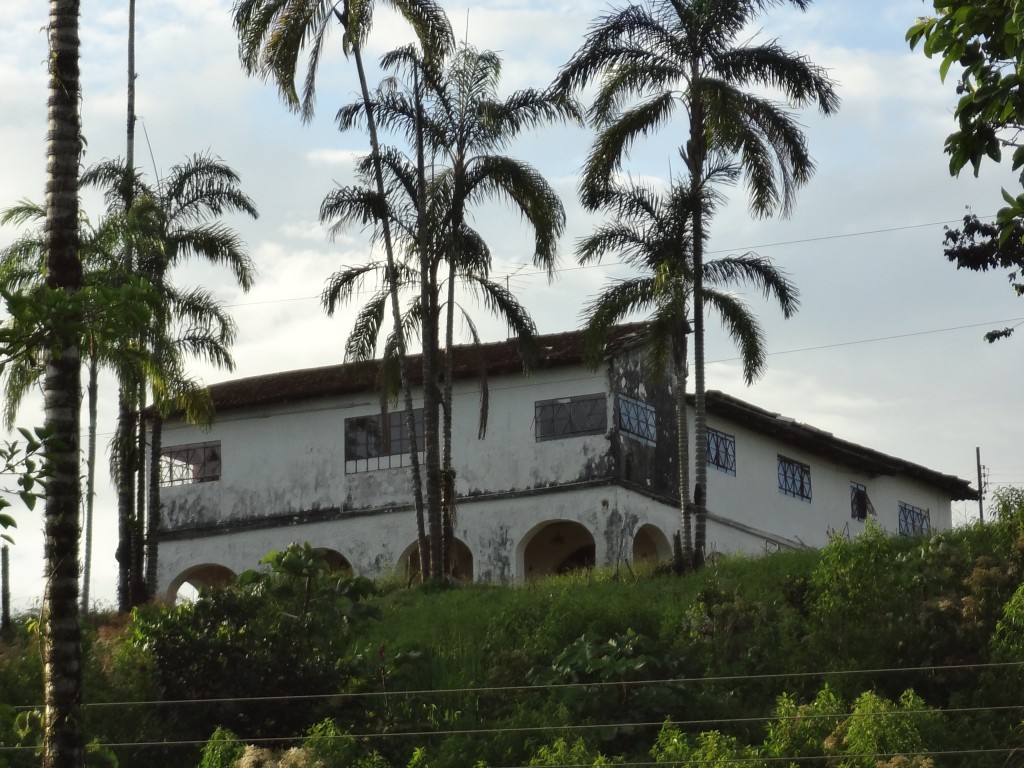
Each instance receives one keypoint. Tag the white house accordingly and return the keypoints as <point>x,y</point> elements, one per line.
<point>575,467</point>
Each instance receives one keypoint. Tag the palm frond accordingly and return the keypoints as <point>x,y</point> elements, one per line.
<point>744,330</point>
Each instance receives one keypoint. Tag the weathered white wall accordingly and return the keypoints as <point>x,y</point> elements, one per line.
<point>752,496</point>
<point>287,463</point>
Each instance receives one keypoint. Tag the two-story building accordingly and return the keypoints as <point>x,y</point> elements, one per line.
<point>575,467</point>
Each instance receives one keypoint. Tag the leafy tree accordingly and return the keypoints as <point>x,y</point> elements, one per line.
<point>862,735</point>
<point>981,42</point>
<point>560,752</point>
<point>272,35</point>
<point>980,247</point>
<point>654,60</point>
<point>983,39</point>
<point>710,749</point>
<point>651,232</point>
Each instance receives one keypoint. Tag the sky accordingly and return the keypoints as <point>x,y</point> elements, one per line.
<point>886,350</point>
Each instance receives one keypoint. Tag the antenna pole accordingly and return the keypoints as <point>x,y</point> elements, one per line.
<point>981,488</point>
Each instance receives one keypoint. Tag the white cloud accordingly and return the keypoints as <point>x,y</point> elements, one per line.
<point>929,398</point>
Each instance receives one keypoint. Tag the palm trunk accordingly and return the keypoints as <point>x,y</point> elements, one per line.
<point>447,467</point>
<point>90,479</point>
<point>124,438</point>
<point>137,583</point>
<point>683,448</point>
<point>63,742</point>
<point>396,313</point>
<point>153,519</point>
<point>129,158</point>
<point>125,441</point>
<point>697,154</point>
<point>429,333</point>
<point>5,592</point>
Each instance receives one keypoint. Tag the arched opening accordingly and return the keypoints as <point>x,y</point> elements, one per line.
<point>462,562</point>
<point>206,576</point>
<point>650,545</point>
<point>337,563</point>
<point>558,547</point>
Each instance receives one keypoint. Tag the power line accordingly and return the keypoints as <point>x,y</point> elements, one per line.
<point>619,684</point>
<point>519,273</point>
<point>1018,320</point>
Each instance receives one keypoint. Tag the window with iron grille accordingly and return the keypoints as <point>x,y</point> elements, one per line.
<point>368,447</point>
<point>722,451</point>
<point>570,417</point>
<point>914,521</point>
<point>187,464</point>
<point>794,479</point>
<point>637,420</point>
<point>860,504</point>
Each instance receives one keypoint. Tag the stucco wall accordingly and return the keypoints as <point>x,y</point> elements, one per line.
<point>283,479</point>
<point>752,496</point>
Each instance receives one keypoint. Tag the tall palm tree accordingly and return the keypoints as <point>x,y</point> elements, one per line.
<point>175,221</point>
<point>347,206</point>
<point>452,116</point>
<point>651,232</point>
<point>272,36</point>
<point>654,60</point>
<point>63,742</point>
<point>396,211</point>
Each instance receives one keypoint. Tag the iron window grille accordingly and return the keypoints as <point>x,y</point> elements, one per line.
<point>369,448</point>
<point>860,504</point>
<point>570,417</point>
<point>914,521</point>
<point>637,419</point>
<point>794,479</point>
<point>722,451</point>
<point>187,464</point>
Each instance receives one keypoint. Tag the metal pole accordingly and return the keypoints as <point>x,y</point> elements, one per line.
<point>5,590</point>
<point>981,489</point>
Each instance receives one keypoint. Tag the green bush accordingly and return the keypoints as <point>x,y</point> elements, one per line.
<point>282,633</point>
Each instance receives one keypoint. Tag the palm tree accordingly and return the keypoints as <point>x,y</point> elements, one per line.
<point>651,232</point>
<point>455,121</point>
<point>273,34</point>
<point>20,264</point>
<point>654,60</point>
<point>168,224</point>
<point>63,742</point>
<point>347,206</point>
<point>397,210</point>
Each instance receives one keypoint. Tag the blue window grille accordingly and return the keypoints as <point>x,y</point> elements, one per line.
<point>914,521</point>
<point>637,419</point>
<point>722,451</point>
<point>794,479</point>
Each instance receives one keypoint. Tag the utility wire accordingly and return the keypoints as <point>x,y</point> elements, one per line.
<point>518,273</point>
<point>731,679</point>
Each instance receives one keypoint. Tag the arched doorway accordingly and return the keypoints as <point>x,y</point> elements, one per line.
<point>462,562</point>
<point>650,545</point>
<point>208,575</point>
<point>557,547</point>
<point>337,563</point>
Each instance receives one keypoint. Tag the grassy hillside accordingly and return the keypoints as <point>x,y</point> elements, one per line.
<point>880,651</point>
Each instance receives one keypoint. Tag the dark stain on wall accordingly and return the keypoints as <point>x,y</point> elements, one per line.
<point>637,462</point>
<point>495,561</point>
